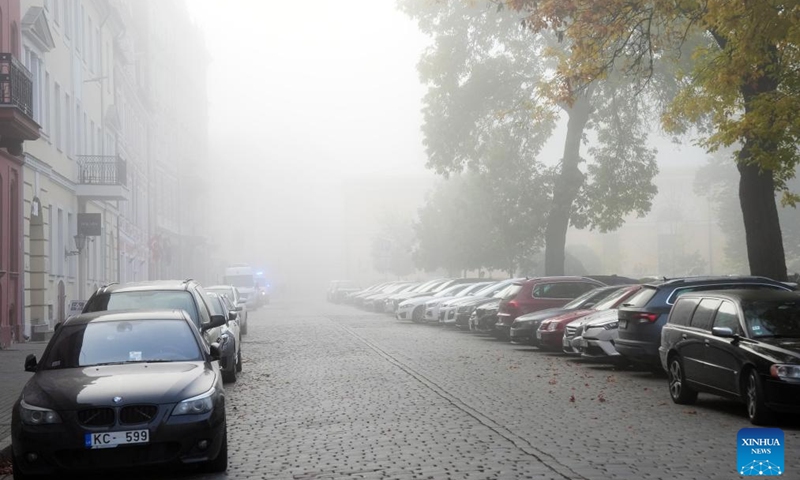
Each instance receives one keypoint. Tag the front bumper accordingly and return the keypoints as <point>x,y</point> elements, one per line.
<point>174,441</point>
<point>551,339</point>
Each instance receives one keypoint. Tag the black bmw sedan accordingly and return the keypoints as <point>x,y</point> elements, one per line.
<point>118,391</point>
<point>743,344</point>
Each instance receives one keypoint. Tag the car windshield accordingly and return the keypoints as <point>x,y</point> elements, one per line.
<point>614,297</point>
<point>116,342</point>
<point>240,281</point>
<point>492,289</point>
<point>471,289</point>
<point>451,290</point>
<point>772,318</point>
<point>591,295</point>
<point>146,300</point>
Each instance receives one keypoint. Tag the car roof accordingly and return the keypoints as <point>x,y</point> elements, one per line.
<point>712,279</point>
<point>219,287</point>
<point>746,295</point>
<point>562,278</point>
<point>145,286</point>
<point>127,315</point>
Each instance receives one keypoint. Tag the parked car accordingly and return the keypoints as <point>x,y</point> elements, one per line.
<point>185,295</point>
<point>120,391</point>
<point>458,311</point>
<point>376,303</point>
<point>741,344</point>
<point>424,289</point>
<point>220,305</point>
<point>523,329</point>
<point>414,308</point>
<point>537,294</point>
<point>643,316</point>
<point>338,289</point>
<point>484,316</point>
<point>240,306</point>
<point>552,333</point>
<point>596,341</point>
<point>455,292</point>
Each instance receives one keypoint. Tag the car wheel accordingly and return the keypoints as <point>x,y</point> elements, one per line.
<point>679,390</point>
<point>417,314</point>
<point>220,463</point>
<point>229,373</point>
<point>239,360</point>
<point>757,410</point>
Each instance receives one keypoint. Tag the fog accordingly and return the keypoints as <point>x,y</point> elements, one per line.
<point>315,141</point>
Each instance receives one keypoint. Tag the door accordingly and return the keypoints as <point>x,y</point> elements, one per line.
<point>692,344</point>
<point>723,356</point>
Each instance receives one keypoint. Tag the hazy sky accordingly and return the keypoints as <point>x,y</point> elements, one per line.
<point>301,96</point>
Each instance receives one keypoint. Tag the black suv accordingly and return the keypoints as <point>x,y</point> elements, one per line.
<point>643,316</point>
<point>742,344</point>
<point>185,295</point>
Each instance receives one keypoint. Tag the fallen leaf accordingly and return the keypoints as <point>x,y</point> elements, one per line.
<point>572,398</point>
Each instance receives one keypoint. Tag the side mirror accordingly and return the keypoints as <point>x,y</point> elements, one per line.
<point>216,354</point>
<point>31,363</point>
<point>238,308</point>
<point>232,316</point>
<point>216,321</point>
<point>723,332</point>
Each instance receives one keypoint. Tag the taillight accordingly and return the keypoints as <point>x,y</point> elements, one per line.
<point>513,304</point>
<point>644,317</point>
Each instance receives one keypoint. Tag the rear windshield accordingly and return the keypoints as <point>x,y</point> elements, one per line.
<point>641,299</point>
<point>591,295</point>
<point>729,286</point>
<point>613,299</point>
<point>146,300</point>
<point>510,292</point>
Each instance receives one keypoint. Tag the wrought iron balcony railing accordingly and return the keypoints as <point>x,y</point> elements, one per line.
<point>16,84</point>
<point>102,170</point>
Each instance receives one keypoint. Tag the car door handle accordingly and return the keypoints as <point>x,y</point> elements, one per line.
<point>684,336</point>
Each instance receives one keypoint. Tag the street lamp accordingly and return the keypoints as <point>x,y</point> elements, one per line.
<point>80,242</point>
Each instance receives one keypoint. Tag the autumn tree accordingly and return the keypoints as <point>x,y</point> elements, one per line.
<point>740,90</point>
<point>485,72</point>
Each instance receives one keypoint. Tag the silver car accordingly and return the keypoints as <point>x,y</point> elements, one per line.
<point>598,337</point>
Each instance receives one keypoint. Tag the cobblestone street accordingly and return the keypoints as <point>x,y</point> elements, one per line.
<point>332,392</point>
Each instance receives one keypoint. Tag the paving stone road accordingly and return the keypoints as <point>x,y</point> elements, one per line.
<point>330,392</point>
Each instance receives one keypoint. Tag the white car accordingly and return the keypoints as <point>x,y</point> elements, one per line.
<point>414,308</point>
<point>597,340</point>
<point>433,304</point>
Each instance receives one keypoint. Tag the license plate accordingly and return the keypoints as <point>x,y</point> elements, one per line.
<point>113,439</point>
<point>538,334</point>
<point>623,323</point>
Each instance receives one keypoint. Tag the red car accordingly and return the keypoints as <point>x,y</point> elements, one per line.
<point>551,331</point>
<point>536,294</point>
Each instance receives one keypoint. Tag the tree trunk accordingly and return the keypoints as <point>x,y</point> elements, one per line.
<point>761,224</point>
<point>566,188</point>
<point>757,188</point>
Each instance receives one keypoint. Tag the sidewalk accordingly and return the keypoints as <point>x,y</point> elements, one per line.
<point>12,378</point>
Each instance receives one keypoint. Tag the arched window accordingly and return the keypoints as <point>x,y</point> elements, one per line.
<point>14,39</point>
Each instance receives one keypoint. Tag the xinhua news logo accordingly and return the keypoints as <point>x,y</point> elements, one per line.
<point>759,452</point>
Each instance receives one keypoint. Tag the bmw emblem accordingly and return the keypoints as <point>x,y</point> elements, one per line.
<point>117,399</point>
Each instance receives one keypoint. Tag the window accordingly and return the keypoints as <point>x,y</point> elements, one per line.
<point>89,55</point>
<point>682,311</point>
<point>705,312</point>
<point>60,246</point>
<point>561,289</point>
<point>57,12</point>
<point>727,317</point>
<point>71,264</point>
<point>51,239</point>
<point>46,117</point>
<point>57,116</point>
<point>68,124</point>
<point>68,18</point>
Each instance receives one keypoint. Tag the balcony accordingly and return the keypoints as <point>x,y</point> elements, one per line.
<point>16,105</point>
<point>103,177</point>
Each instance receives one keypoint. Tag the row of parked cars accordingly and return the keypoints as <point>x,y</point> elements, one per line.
<point>135,380</point>
<point>733,336</point>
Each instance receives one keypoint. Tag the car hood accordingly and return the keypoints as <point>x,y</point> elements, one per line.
<point>434,301</point>
<point>570,316</point>
<point>601,318</point>
<point>782,350</point>
<point>540,315</point>
<point>472,301</point>
<point>155,383</point>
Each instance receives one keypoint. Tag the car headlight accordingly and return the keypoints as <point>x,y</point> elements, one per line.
<point>196,405</point>
<point>785,372</point>
<point>611,326</point>
<point>32,415</point>
<point>552,327</point>
<point>465,309</point>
